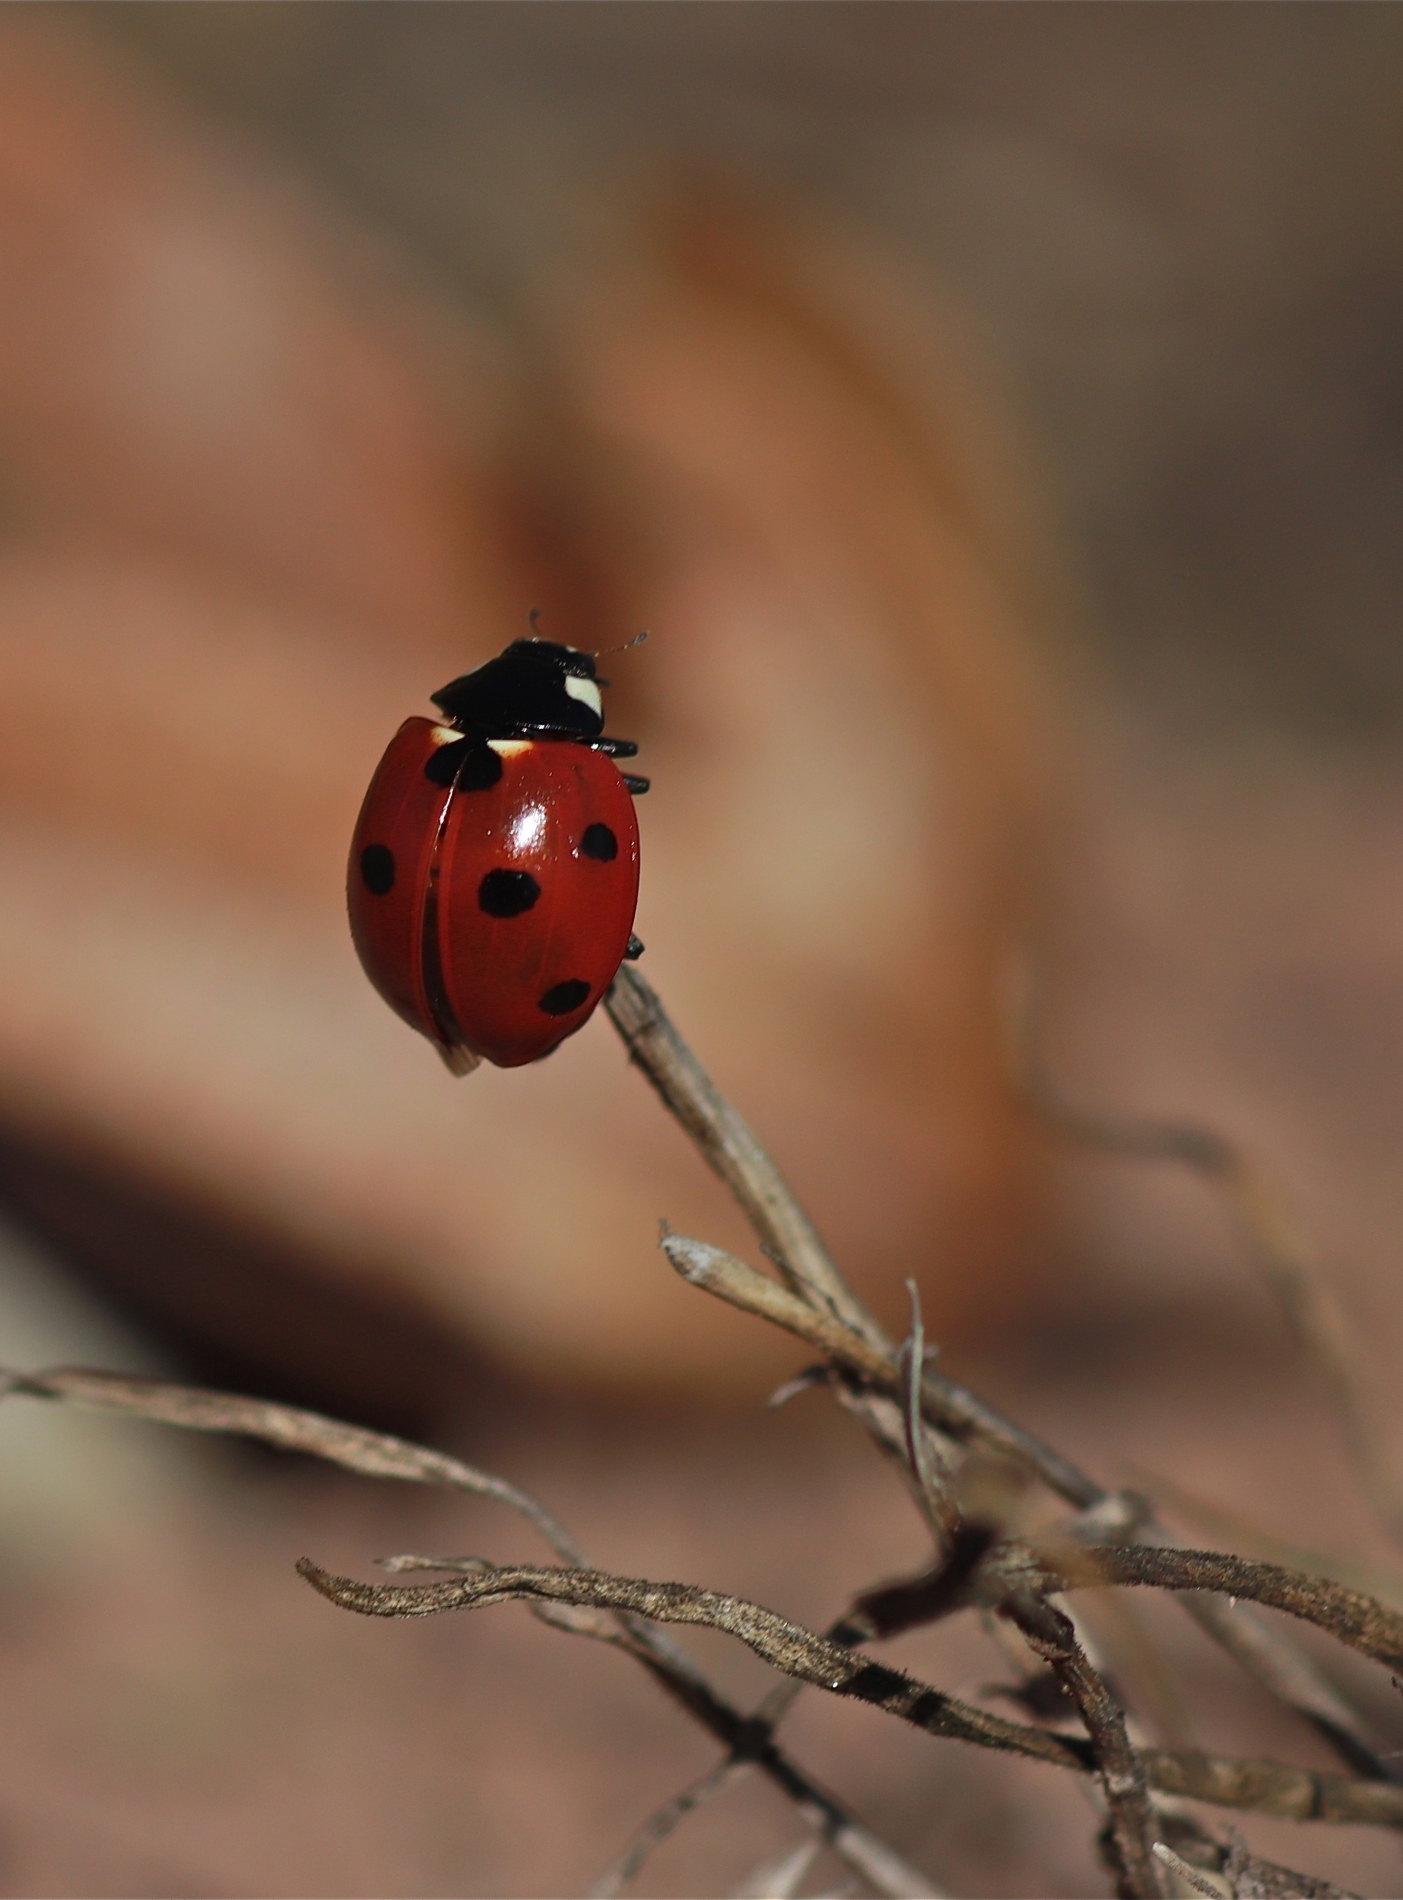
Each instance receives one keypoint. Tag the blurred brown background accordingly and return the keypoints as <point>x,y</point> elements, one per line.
<point>994,413</point>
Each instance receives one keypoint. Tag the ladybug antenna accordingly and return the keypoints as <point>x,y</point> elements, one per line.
<point>533,620</point>
<point>637,640</point>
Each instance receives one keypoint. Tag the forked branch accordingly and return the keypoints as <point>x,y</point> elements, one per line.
<point>380,1455</point>
<point>1268,1787</point>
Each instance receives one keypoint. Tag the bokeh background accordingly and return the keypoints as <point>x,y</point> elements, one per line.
<point>995,414</point>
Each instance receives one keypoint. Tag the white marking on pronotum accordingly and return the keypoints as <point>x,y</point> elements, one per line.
<point>509,748</point>
<point>444,735</point>
<point>586,691</point>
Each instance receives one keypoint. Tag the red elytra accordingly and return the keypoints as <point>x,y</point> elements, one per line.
<point>493,881</point>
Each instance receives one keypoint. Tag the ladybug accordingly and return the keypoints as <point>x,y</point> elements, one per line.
<point>494,869</point>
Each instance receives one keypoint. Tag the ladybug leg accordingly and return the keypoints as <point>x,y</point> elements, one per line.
<point>635,784</point>
<point>635,949</point>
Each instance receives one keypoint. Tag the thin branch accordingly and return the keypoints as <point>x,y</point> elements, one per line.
<point>1232,1873</point>
<point>1230,1527</point>
<point>865,1852</point>
<point>882,1613</point>
<point>1267,1655</point>
<point>1005,1569</point>
<point>1361,1622</point>
<point>379,1455</point>
<point>946,1405</point>
<point>372,1454</point>
<point>729,1147</point>
<point>932,1476</point>
<point>1051,1635</point>
<point>661,1823</point>
<point>1268,1787</point>
<point>778,1878</point>
<point>881,1867</point>
<point>1192,1876</point>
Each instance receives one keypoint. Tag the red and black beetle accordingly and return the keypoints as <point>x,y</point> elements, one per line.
<point>494,869</point>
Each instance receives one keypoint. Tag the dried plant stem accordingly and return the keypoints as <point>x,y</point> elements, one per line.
<point>380,1455</point>
<point>1267,1655</point>
<point>1361,1622</point>
<point>932,1478</point>
<point>728,1146</point>
<point>945,1405</point>
<point>862,1850</point>
<point>778,1878</point>
<point>372,1454</point>
<point>870,1856</point>
<point>1243,1876</point>
<point>663,1822</point>
<point>1267,1787</point>
<point>1191,1876</point>
<point>920,1418</point>
<point>1051,1635</point>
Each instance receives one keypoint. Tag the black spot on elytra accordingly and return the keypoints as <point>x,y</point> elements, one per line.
<point>507,893</point>
<point>471,764</point>
<point>599,842</point>
<point>561,998</point>
<point>377,869</point>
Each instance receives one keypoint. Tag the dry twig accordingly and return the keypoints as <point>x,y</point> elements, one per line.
<point>1268,1787</point>
<point>380,1455</point>
<point>662,1823</point>
<point>372,1454</point>
<point>922,1419</point>
<point>728,1146</point>
<point>858,1346</point>
<point>1279,1665</point>
<point>1050,1634</point>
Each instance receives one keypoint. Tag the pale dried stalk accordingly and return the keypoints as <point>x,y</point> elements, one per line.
<point>1269,1656</point>
<point>1192,1876</point>
<point>1267,1787</point>
<point>945,1405</point>
<point>1273,1660</point>
<point>931,1476</point>
<point>380,1455</point>
<point>662,1823</point>
<point>1238,1875</point>
<point>372,1454</point>
<point>728,1146</point>
<point>779,1878</point>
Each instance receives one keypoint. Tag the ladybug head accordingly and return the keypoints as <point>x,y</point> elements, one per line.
<point>533,686</point>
